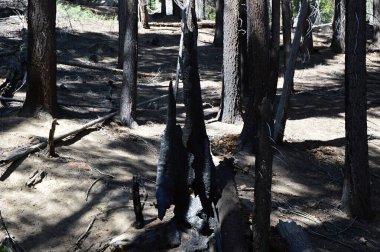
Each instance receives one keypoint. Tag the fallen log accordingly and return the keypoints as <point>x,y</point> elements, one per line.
<point>24,152</point>
<point>296,238</point>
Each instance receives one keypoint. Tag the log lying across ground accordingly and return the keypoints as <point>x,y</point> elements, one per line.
<point>24,152</point>
<point>296,238</point>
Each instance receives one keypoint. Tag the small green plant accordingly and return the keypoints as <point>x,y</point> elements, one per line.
<point>327,10</point>
<point>211,14</point>
<point>75,11</point>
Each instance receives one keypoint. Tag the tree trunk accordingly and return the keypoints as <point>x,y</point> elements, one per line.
<point>143,14</point>
<point>356,198</point>
<point>244,84</point>
<point>218,36</point>
<point>337,43</point>
<point>257,69</point>
<point>129,86</point>
<point>163,7</point>
<point>307,34</point>
<point>176,10</point>
<point>286,28</point>
<point>231,63</point>
<point>376,23</point>
<point>274,50</point>
<point>42,59</point>
<point>122,4</point>
<point>195,136</point>
<point>200,9</point>
<point>263,179</point>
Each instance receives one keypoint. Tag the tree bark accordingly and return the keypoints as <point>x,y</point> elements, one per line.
<point>356,198</point>
<point>176,10</point>
<point>338,43</point>
<point>195,136</point>
<point>274,50</point>
<point>286,28</point>
<point>41,96</point>
<point>143,14</point>
<point>307,46</point>
<point>218,36</point>
<point>163,7</point>
<point>200,7</point>
<point>122,4</point>
<point>263,179</point>
<point>231,63</point>
<point>376,23</point>
<point>244,84</point>
<point>129,86</point>
<point>257,69</point>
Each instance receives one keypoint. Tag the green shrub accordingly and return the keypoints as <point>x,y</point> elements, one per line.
<point>75,11</point>
<point>327,10</point>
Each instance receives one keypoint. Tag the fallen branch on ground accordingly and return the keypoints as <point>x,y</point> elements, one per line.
<point>85,234</point>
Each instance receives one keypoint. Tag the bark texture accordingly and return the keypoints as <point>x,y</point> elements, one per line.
<point>338,41</point>
<point>231,63</point>
<point>356,186</point>
<point>143,14</point>
<point>218,36</point>
<point>163,7</point>
<point>122,4</point>
<point>42,59</point>
<point>286,7</point>
<point>376,22</point>
<point>129,86</point>
<point>307,46</point>
<point>274,49</point>
<point>257,68</point>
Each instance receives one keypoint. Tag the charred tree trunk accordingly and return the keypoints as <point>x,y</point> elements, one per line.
<point>231,63</point>
<point>356,198</point>
<point>195,136</point>
<point>143,14</point>
<point>307,34</point>
<point>376,23</point>
<point>218,36</point>
<point>244,84</point>
<point>137,203</point>
<point>129,86</point>
<point>286,28</point>
<point>176,10</point>
<point>257,68</point>
<point>163,7</point>
<point>274,50</point>
<point>41,96</point>
<point>338,43</point>
<point>263,179</point>
<point>122,4</point>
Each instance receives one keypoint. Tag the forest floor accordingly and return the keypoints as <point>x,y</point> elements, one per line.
<point>307,170</point>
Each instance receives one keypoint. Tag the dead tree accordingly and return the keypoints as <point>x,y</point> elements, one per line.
<point>263,179</point>
<point>274,49</point>
<point>337,42</point>
<point>218,35</point>
<point>286,8</point>
<point>143,14</point>
<point>195,136</point>
<point>356,197</point>
<point>122,4</point>
<point>172,168</point>
<point>41,96</point>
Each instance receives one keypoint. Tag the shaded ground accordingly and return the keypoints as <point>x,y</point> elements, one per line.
<point>307,169</point>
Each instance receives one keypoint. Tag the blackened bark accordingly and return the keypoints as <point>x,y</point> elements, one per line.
<point>163,7</point>
<point>195,136</point>
<point>286,28</point>
<point>244,83</point>
<point>122,4</point>
<point>218,36</point>
<point>307,46</point>
<point>137,203</point>
<point>356,198</point>
<point>172,168</point>
<point>263,179</point>
<point>376,22</point>
<point>143,14</point>
<point>176,10</point>
<point>274,50</point>
<point>257,68</point>
<point>231,63</point>
<point>129,86</point>
<point>42,59</point>
<point>338,43</point>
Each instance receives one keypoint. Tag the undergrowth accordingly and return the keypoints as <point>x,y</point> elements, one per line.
<point>77,12</point>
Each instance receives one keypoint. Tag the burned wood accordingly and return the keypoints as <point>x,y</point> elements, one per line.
<point>85,234</point>
<point>51,138</point>
<point>296,238</point>
<point>91,186</point>
<point>137,203</point>
<point>36,177</point>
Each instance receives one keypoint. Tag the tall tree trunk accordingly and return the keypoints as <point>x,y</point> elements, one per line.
<point>356,198</point>
<point>257,69</point>
<point>200,9</point>
<point>218,36</point>
<point>376,22</point>
<point>176,10</point>
<point>307,34</point>
<point>163,7</point>
<point>41,96</point>
<point>231,63</point>
<point>129,86</point>
<point>195,136</point>
<point>244,83</point>
<point>122,25</point>
<point>337,42</point>
<point>263,179</point>
<point>274,50</point>
<point>143,14</point>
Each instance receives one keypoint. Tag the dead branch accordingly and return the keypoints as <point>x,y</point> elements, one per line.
<point>51,138</point>
<point>2,98</point>
<point>85,234</point>
<point>295,237</point>
<point>36,178</point>
<point>137,203</point>
<point>92,185</point>
<point>6,230</point>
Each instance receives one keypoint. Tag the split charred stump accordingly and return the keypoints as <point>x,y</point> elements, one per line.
<point>137,203</point>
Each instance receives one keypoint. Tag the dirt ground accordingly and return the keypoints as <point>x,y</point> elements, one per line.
<point>307,172</point>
